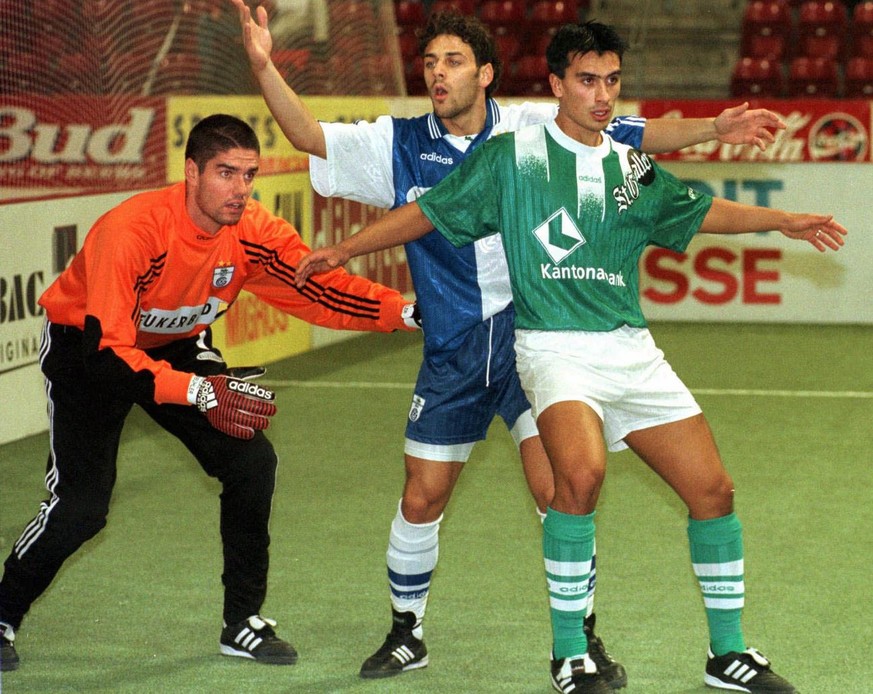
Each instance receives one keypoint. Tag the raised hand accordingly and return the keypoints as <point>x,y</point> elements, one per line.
<point>740,125</point>
<point>256,36</point>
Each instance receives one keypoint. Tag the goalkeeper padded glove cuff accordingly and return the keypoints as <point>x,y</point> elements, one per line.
<point>232,405</point>
<point>411,316</point>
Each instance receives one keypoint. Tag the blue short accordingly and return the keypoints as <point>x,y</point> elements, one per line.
<point>456,398</point>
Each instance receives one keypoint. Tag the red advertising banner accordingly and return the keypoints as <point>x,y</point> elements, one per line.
<point>78,144</point>
<point>335,219</point>
<point>818,130</point>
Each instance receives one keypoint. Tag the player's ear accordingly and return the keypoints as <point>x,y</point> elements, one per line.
<point>191,171</point>
<point>486,75</point>
<point>556,84</point>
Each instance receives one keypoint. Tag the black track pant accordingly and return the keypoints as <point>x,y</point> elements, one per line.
<point>85,427</point>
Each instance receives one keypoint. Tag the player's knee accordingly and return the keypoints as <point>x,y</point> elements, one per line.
<point>716,499</point>
<point>423,505</point>
<point>578,493</point>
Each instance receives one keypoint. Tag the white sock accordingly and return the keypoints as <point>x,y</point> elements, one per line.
<point>412,555</point>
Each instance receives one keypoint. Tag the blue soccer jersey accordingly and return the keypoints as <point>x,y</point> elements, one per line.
<point>392,161</point>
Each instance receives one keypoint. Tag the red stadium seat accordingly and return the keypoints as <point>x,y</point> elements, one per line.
<point>766,18</point>
<point>862,29</point>
<point>407,42</point>
<point>413,72</point>
<point>821,17</point>
<point>769,46</point>
<point>757,77</point>
<point>859,78</point>
<point>509,47</point>
<point>813,78</point>
<point>529,77</point>
<point>554,13</point>
<point>828,46</point>
<point>467,7</point>
<point>409,13</point>
<point>503,13</point>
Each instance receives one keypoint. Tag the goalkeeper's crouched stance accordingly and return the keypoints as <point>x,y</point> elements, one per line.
<point>128,323</point>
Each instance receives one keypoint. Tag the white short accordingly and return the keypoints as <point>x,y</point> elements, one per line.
<point>525,427</point>
<point>621,375</point>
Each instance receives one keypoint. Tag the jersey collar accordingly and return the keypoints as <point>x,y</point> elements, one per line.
<point>492,116</point>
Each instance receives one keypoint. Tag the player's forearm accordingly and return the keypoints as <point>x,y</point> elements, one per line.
<point>294,118</point>
<point>671,134</point>
<point>728,217</point>
<point>395,228</point>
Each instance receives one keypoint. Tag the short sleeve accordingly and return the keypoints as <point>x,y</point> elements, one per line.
<point>359,162</point>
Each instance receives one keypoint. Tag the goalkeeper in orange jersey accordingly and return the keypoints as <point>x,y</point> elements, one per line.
<point>128,322</point>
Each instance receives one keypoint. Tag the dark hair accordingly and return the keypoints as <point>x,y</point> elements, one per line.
<point>216,134</point>
<point>578,39</point>
<point>472,32</point>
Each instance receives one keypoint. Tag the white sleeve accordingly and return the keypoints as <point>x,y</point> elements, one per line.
<point>359,162</point>
<point>515,116</point>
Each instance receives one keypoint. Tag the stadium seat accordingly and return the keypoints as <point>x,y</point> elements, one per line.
<point>859,78</point>
<point>862,29</point>
<point>503,13</point>
<point>757,77</point>
<point>769,46</point>
<point>813,78</point>
<point>461,6</point>
<point>828,46</point>
<point>413,72</point>
<point>407,42</point>
<point>529,77</point>
<point>409,13</point>
<point>508,47</point>
<point>821,17</point>
<point>554,13</point>
<point>863,46</point>
<point>766,18</point>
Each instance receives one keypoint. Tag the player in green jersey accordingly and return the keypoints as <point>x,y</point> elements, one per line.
<point>575,211</point>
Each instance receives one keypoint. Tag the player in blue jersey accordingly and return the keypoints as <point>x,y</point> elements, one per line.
<point>468,374</point>
<point>576,210</point>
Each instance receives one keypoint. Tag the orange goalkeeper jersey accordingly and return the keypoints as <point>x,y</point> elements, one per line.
<point>147,275</point>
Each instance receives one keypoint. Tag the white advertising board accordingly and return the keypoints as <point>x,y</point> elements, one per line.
<point>768,277</point>
<point>37,238</point>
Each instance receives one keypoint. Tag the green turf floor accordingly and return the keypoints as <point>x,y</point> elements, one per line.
<point>138,609</point>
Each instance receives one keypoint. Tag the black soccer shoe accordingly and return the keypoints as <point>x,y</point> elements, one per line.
<point>577,675</point>
<point>254,638</point>
<point>401,651</point>
<point>612,672</point>
<point>748,671</point>
<point>8,656</point>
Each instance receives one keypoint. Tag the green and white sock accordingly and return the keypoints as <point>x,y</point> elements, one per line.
<point>568,547</point>
<point>717,557</point>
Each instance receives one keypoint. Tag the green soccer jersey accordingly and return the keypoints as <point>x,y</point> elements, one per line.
<point>574,220</point>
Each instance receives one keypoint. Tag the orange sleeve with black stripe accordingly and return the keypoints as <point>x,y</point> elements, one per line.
<point>147,276</point>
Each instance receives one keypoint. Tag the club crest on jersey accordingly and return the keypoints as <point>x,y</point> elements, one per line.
<point>417,407</point>
<point>559,235</point>
<point>221,276</point>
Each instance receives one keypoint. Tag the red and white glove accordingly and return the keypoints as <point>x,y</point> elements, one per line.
<point>232,405</point>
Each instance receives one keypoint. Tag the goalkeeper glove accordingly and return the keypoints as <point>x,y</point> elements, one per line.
<point>233,405</point>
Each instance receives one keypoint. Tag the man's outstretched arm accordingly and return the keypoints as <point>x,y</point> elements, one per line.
<point>395,228</point>
<point>738,125</point>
